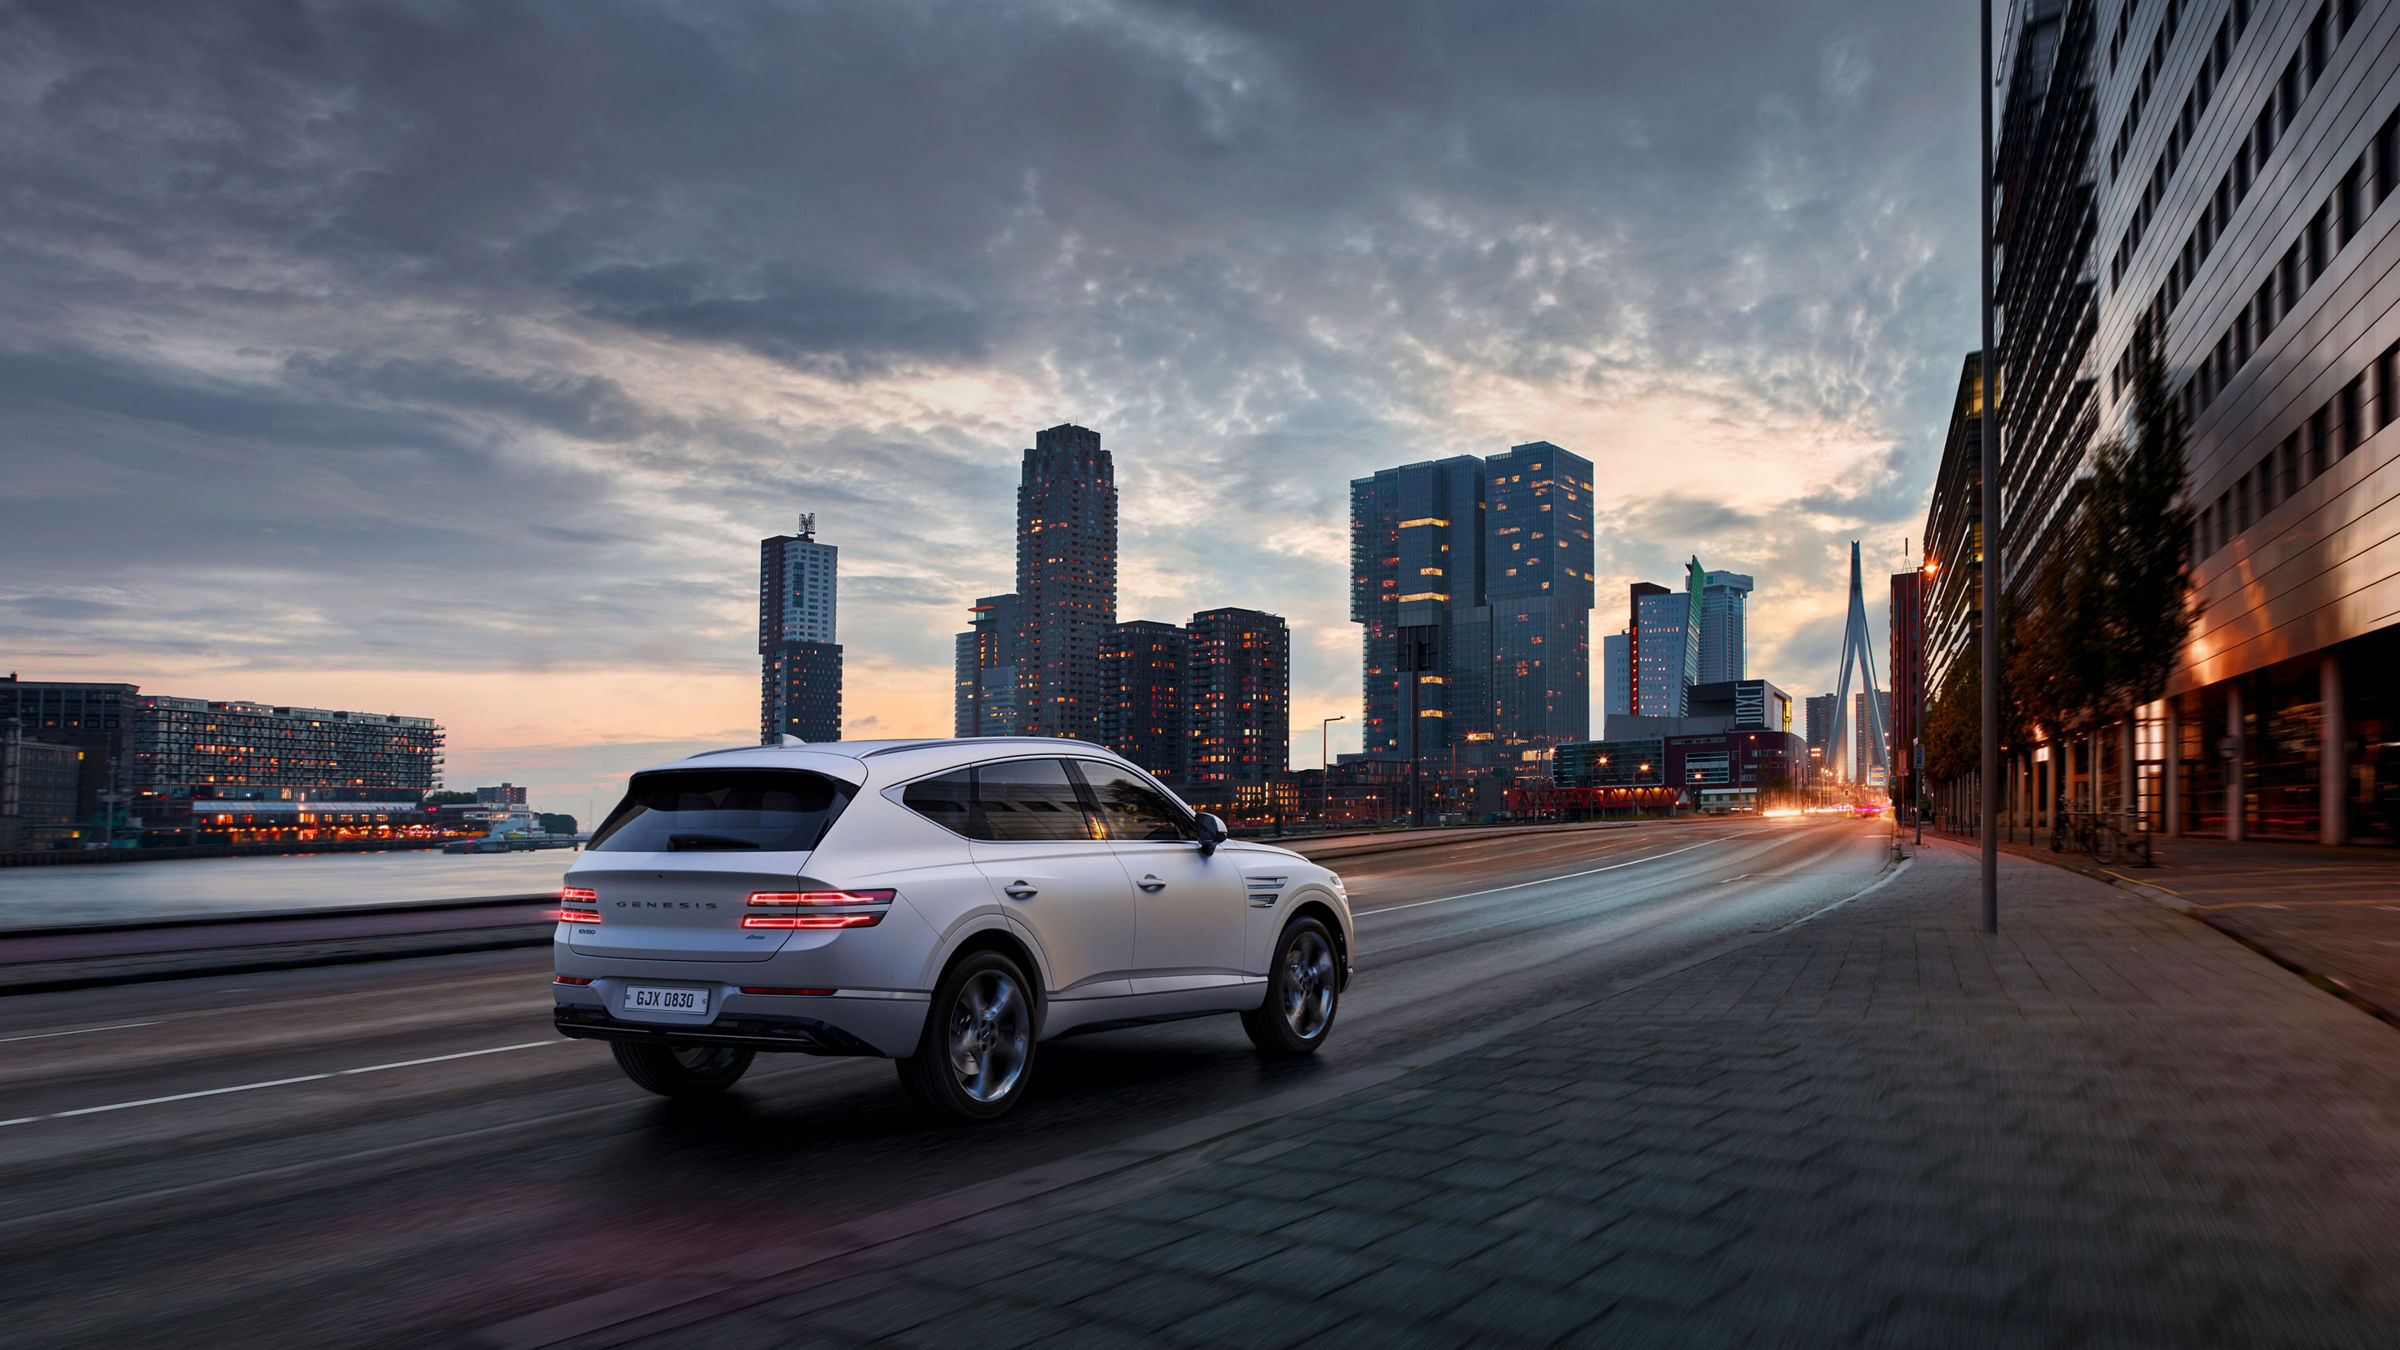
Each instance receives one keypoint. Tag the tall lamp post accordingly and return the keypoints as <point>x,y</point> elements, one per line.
<point>1991,513</point>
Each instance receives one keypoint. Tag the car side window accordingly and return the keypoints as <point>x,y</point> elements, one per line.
<point>1131,808</point>
<point>1030,799</point>
<point>948,800</point>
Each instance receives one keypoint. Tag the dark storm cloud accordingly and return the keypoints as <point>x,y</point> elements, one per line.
<point>387,295</point>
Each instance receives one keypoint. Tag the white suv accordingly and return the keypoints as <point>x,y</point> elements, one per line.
<point>948,904</point>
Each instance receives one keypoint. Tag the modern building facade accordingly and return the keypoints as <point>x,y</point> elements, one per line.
<point>38,787</point>
<point>1066,582</point>
<point>1908,679</point>
<point>1952,596</point>
<point>190,747</point>
<point>984,667</point>
<point>1616,674</point>
<point>1148,718</point>
<point>1472,581</point>
<point>1238,687</point>
<point>1724,770</point>
<point>800,658</point>
<point>2220,173</point>
<point>1724,648</point>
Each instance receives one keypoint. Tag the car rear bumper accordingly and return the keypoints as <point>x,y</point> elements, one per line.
<point>869,1022</point>
<point>804,1035</point>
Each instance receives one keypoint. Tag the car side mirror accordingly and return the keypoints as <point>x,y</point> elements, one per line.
<point>1211,831</point>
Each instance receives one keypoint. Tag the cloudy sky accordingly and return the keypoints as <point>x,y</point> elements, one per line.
<point>452,358</point>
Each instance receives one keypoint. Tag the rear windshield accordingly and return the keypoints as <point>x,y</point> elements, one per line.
<point>720,810</point>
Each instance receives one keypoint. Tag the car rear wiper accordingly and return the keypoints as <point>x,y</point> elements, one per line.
<point>695,843</point>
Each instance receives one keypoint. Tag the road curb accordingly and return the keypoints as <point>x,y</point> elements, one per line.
<point>49,977</point>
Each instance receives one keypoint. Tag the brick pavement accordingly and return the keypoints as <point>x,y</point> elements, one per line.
<point>2108,1126</point>
<point>2333,912</point>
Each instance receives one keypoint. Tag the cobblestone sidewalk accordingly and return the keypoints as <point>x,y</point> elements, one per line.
<point>2108,1126</point>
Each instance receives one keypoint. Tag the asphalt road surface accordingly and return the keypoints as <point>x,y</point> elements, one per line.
<point>393,1154</point>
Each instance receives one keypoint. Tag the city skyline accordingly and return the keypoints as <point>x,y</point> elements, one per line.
<point>504,455</point>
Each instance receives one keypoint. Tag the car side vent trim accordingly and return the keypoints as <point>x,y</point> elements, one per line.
<point>1265,891</point>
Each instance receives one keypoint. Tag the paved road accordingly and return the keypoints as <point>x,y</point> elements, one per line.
<point>390,1154</point>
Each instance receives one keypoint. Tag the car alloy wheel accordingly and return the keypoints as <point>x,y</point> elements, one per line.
<point>989,1035</point>
<point>1304,984</point>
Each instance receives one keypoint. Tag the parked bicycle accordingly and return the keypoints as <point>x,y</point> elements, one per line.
<point>2106,835</point>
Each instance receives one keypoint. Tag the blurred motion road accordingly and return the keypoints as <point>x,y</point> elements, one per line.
<point>394,1154</point>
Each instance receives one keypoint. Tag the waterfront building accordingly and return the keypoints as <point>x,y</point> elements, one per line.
<point>1616,674</point>
<point>507,794</point>
<point>800,658</point>
<point>1472,582</point>
<point>1147,720</point>
<point>38,786</point>
<point>1908,679</point>
<point>2220,174</point>
<point>96,718</point>
<point>1238,689</point>
<point>187,748</point>
<point>1066,582</point>
<point>985,668</point>
<point>1724,646</point>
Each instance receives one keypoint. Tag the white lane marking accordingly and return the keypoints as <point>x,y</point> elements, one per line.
<point>1563,876</point>
<point>463,1054</point>
<point>275,1082</point>
<point>185,1096</point>
<point>46,1035</point>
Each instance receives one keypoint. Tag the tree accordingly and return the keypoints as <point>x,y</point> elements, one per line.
<point>2139,540</point>
<point>449,798</point>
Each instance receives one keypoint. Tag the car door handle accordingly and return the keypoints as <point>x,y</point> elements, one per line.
<point>1018,890</point>
<point>1151,883</point>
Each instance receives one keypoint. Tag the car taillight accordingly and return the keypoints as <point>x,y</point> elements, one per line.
<point>569,979</point>
<point>868,920</point>
<point>578,904</point>
<point>822,897</point>
<point>793,903</point>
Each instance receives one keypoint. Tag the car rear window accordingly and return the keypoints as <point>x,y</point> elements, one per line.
<point>722,810</point>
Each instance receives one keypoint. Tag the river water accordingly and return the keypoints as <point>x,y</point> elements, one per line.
<point>34,897</point>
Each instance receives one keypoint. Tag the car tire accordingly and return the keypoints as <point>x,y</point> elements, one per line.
<point>1304,991</point>
<point>975,1057</point>
<point>683,1071</point>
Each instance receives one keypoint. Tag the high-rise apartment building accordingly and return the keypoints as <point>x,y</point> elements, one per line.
<point>1472,581</point>
<point>1066,582</point>
<point>800,663</point>
<point>97,719</point>
<point>1238,686</point>
<point>1616,674</point>
<point>984,668</point>
<point>1147,720</point>
<point>2219,174</point>
<point>1952,596</point>
<point>1724,650</point>
<point>1820,710</point>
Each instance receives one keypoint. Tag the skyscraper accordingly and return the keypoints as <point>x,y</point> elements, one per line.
<point>1472,580</point>
<point>1908,675</point>
<point>1148,715</point>
<point>1238,685</point>
<point>1724,627</point>
<point>985,666</point>
<point>1066,582</point>
<point>1666,645</point>
<point>1538,574</point>
<point>800,663</point>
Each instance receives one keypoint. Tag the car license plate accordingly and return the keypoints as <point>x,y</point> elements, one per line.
<point>658,998</point>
